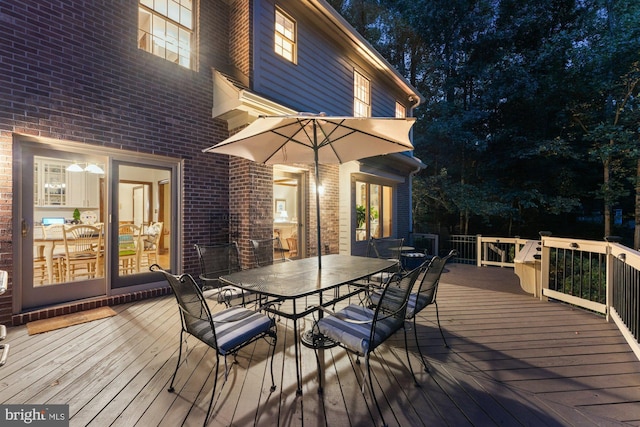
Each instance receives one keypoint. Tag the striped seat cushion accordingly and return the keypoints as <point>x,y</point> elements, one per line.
<point>356,336</point>
<point>234,326</point>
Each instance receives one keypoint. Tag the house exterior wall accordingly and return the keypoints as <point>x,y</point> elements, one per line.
<point>322,78</point>
<point>72,71</point>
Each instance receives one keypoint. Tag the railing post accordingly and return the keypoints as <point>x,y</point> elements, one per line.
<point>545,261</point>
<point>609,282</point>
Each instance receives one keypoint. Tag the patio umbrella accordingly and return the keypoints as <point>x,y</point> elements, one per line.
<point>317,139</point>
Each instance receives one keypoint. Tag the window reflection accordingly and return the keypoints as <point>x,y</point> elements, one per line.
<point>373,210</point>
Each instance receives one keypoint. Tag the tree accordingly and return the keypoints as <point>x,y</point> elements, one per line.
<point>523,101</point>
<point>605,109</point>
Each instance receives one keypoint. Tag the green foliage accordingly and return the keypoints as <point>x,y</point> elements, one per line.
<point>578,273</point>
<point>361,215</point>
<point>531,108</point>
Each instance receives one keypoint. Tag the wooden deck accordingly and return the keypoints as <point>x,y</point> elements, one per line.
<point>513,360</point>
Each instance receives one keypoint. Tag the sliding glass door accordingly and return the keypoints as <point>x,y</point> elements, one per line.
<point>68,191</point>
<point>141,224</point>
<point>91,225</point>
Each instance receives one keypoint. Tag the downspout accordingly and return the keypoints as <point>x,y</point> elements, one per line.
<point>416,101</point>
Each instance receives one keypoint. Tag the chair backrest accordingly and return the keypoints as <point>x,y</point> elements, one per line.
<point>428,289</point>
<point>152,237</point>
<point>128,239</point>
<point>218,260</point>
<point>292,242</point>
<point>194,311</point>
<point>393,303</point>
<point>385,248</point>
<point>53,231</point>
<point>267,251</point>
<point>82,240</point>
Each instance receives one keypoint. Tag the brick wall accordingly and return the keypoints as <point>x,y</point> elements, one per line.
<point>72,71</point>
<point>240,35</point>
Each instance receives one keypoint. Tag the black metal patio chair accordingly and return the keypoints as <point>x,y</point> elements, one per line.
<point>424,296</point>
<point>267,251</point>
<point>361,329</point>
<point>226,332</point>
<point>385,249</point>
<point>215,261</point>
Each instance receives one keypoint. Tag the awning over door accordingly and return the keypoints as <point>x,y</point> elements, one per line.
<point>239,106</point>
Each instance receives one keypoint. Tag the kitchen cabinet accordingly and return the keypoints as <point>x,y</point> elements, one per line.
<point>83,190</point>
<point>55,186</point>
<point>50,181</point>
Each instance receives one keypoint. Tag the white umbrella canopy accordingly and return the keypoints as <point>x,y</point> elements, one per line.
<point>291,139</point>
<point>317,139</point>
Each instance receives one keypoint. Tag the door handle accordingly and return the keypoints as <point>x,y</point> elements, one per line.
<point>25,228</point>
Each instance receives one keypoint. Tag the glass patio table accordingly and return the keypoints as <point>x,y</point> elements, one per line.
<point>297,279</point>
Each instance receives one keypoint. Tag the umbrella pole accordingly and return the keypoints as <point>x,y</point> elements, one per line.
<point>315,153</point>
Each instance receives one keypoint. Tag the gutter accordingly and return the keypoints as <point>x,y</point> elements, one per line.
<point>364,48</point>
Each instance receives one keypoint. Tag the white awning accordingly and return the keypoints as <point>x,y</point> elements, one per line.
<point>239,106</point>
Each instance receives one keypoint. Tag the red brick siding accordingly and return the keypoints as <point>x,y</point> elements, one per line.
<point>72,71</point>
<point>240,35</point>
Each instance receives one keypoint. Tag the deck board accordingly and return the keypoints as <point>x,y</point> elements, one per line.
<point>512,360</point>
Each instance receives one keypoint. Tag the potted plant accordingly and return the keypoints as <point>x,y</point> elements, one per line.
<point>76,216</point>
<point>361,215</point>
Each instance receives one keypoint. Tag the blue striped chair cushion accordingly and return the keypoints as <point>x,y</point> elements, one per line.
<point>229,332</point>
<point>416,303</point>
<point>355,336</point>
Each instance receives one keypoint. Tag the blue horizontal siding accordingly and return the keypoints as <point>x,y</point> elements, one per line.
<point>322,79</point>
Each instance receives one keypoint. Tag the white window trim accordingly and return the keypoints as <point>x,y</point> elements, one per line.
<point>284,38</point>
<point>361,95</point>
<point>162,39</point>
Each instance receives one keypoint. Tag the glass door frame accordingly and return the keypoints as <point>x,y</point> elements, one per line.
<point>25,147</point>
<point>300,208</point>
<point>127,281</point>
<point>31,296</point>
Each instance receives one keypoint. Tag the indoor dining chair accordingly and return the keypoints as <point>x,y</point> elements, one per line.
<point>82,245</point>
<point>41,273</point>
<point>150,244</point>
<point>129,248</point>
<point>226,332</point>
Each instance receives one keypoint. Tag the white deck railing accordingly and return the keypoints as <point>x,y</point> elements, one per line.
<point>603,277</point>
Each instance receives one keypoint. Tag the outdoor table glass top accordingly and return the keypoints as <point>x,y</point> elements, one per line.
<point>299,278</point>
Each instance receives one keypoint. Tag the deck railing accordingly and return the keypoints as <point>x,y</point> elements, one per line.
<point>600,276</point>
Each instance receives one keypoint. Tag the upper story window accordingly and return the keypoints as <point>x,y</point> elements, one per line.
<point>285,36</point>
<point>401,111</point>
<point>361,95</point>
<point>165,28</point>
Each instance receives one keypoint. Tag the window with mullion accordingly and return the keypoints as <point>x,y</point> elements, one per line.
<point>361,95</point>
<point>285,36</point>
<point>166,29</point>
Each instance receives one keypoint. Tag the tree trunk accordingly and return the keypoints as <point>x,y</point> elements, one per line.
<point>607,198</point>
<point>636,233</point>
